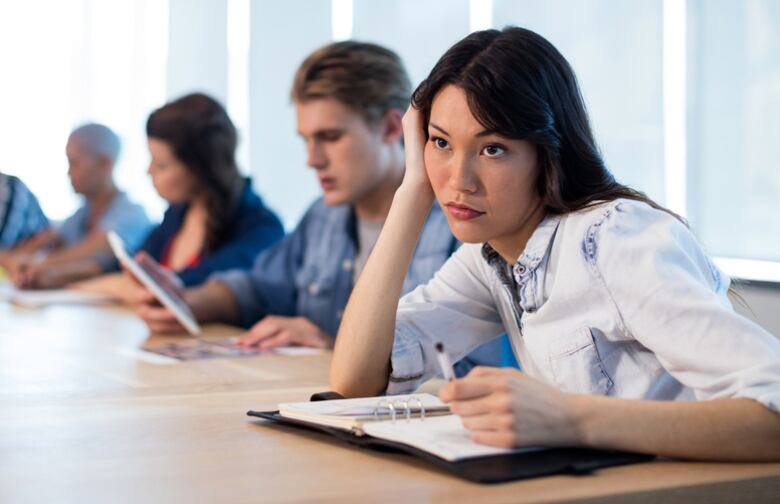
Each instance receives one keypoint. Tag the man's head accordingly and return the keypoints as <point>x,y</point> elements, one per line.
<point>349,99</point>
<point>92,151</point>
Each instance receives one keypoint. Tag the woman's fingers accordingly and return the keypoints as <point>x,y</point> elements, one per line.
<point>489,422</point>
<point>160,320</point>
<point>502,439</point>
<point>467,388</point>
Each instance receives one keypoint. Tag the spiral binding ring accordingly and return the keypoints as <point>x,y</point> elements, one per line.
<point>401,405</point>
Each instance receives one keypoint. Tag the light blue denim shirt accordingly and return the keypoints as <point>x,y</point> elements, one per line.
<point>618,299</point>
<point>123,216</point>
<point>310,274</point>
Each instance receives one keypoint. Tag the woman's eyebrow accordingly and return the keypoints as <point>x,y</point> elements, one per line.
<point>438,128</point>
<point>481,134</point>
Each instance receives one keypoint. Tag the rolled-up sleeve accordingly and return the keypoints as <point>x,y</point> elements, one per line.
<point>673,300</point>
<point>269,287</point>
<point>240,284</point>
<point>456,308</point>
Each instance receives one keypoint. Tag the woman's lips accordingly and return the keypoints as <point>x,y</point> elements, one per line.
<point>463,212</point>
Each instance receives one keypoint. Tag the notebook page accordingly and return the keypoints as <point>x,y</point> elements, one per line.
<point>443,436</point>
<point>362,406</point>
<point>352,413</point>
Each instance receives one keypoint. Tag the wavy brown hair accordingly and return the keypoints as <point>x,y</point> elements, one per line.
<point>204,139</point>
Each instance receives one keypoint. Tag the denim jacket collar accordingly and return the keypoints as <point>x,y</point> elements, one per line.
<point>535,251</point>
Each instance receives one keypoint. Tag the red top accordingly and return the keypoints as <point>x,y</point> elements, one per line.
<point>166,256</point>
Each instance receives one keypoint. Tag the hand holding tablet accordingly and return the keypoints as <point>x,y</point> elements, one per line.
<point>158,285</point>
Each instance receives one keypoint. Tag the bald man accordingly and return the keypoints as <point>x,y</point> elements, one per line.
<point>78,248</point>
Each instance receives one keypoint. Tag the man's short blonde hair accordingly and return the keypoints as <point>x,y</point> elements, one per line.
<point>368,78</point>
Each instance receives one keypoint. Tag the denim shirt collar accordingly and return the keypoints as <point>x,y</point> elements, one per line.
<point>535,250</point>
<point>521,277</point>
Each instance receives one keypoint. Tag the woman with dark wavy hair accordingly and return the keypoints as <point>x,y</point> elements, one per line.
<point>621,323</point>
<point>216,221</point>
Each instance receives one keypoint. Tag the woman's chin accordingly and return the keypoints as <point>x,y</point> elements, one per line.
<point>468,234</point>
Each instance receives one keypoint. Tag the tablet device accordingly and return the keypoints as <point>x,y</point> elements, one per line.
<point>152,281</point>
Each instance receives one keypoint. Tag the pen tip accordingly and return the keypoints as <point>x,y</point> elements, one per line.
<point>439,347</point>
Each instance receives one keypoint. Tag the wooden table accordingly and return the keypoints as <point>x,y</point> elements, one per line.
<point>82,419</point>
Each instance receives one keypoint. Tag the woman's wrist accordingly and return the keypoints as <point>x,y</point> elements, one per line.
<point>579,414</point>
<point>415,191</point>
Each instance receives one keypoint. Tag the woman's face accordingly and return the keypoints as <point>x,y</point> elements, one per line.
<point>485,183</point>
<point>171,178</point>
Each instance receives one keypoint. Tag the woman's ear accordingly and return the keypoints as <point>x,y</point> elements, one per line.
<point>391,125</point>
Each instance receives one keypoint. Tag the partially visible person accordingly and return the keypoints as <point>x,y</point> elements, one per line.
<point>349,99</point>
<point>78,247</point>
<point>21,216</point>
<point>215,220</point>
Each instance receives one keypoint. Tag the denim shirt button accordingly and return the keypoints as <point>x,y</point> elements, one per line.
<point>346,265</point>
<point>339,314</point>
<point>314,288</point>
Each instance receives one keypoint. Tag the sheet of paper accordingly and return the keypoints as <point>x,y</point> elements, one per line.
<point>198,348</point>
<point>41,298</point>
<point>443,436</point>
<point>191,349</point>
<point>144,356</point>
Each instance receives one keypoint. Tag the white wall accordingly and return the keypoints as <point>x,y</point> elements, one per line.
<point>283,34</point>
<point>763,302</point>
<point>406,27</point>
<point>197,48</point>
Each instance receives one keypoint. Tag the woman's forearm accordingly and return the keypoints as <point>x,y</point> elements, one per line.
<point>725,430</point>
<point>361,359</point>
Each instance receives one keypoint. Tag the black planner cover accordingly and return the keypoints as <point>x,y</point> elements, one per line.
<point>489,469</point>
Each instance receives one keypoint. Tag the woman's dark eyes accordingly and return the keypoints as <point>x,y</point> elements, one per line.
<point>493,150</point>
<point>439,142</point>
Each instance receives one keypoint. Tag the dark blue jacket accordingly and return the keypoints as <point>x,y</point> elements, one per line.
<point>252,229</point>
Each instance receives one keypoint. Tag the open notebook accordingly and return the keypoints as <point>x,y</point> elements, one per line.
<point>418,420</point>
<point>421,425</point>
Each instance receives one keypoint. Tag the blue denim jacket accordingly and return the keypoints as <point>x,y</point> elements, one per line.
<point>310,274</point>
<point>618,299</point>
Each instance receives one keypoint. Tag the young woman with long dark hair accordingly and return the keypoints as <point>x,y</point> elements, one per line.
<point>621,323</point>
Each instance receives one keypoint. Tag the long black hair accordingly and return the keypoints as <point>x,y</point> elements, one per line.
<point>519,86</point>
<point>204,139</point>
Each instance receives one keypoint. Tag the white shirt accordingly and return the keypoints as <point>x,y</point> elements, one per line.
<point>618,299</point>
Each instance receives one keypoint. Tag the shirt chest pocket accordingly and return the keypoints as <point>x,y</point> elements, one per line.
<point>577,366</point>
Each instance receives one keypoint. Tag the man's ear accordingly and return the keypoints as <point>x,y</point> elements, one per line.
<point>392,127</point>
<point>104,162</point>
